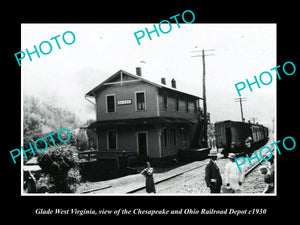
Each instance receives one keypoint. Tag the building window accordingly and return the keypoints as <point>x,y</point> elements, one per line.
<point>112,140</point>
<point>195,106</point>
<point>140,101</point>
<point>110,103</point>
<point>187,105</point>
<point>177,103</point>
<point>165,100</point>
<point>165,137</point>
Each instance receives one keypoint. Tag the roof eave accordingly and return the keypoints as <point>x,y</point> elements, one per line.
<point>91,93</point>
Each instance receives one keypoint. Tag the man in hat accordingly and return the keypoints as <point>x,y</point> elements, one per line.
<point>233,177</point>
<point>213,177</point>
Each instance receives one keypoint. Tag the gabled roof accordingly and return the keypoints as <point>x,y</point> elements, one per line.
<point>136,77</point>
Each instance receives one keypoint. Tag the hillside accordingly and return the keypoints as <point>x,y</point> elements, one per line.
<point>42,118</point>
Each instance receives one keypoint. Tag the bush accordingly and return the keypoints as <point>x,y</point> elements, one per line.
<point>60,168</point>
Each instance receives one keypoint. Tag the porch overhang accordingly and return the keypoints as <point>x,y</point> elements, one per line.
<point>141,121</point>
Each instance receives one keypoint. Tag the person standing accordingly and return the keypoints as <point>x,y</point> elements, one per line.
<point>148,173</point>
<point>268,173</point>
<point>213,177</point>
<point>233,177</point>
<point>30,182</point>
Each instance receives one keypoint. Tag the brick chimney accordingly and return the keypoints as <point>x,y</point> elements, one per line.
<point>163,80</point>
<point>138,71</point>
<point>173,83</point>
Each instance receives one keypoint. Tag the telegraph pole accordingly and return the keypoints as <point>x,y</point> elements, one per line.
<point>204,87</point>
<point>204,130</point>
<point>241,100</point>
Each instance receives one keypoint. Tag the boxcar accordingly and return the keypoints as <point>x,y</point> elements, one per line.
<point>233,131</point>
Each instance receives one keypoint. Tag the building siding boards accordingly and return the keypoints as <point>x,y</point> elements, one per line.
<point>126,92</point>
<point>182,140</point>
<point>127,139</point>
<point>172,111</point>
<point>124,87</point>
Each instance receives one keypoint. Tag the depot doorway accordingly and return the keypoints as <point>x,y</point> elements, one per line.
<point>228,137</point>
<point>142,144</point>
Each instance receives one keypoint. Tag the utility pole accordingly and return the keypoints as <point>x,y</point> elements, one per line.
<point>204,87</point>
<point>204,130</point>
<point>241,100</point>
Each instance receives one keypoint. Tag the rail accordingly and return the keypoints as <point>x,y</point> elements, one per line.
<point>91,155</point>
<point>256,165</point>
<point>88,155</point>
<point>165,179</point>
<point>186,171</point>
<point>171,177</point>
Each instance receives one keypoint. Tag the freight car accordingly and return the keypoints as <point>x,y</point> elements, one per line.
<point>233,132</point>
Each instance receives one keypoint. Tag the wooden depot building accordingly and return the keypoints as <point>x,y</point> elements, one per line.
<point>143,118</point>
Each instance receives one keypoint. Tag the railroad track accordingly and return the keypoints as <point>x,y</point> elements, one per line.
<point>162,183</point>
<point>166,179</point>
<point>248,172</point>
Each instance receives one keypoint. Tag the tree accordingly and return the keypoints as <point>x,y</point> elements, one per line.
<point>60,168</point>
<point>42,118</point>
<point>91,135</point>
<point>211,139</point>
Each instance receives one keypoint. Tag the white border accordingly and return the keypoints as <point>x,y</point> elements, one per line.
<point>155,195</point>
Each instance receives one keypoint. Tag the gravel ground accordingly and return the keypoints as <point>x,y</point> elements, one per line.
<point>254,182</point>
<point>193,182</point>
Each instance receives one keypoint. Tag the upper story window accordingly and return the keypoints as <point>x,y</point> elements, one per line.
<point>110,103</point>
<point>140,101</point>
<point>187,105</point>
<point>165,100</point>
<point>177,103</point>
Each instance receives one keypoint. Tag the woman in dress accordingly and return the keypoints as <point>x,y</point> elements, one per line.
<point>148,173</point>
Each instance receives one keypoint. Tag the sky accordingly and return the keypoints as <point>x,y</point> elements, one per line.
<point>241,51</point>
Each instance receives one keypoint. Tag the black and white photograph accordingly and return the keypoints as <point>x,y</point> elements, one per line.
<point>146,116</point>
<point>146,111</point>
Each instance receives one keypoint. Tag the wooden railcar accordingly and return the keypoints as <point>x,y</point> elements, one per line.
<point>233,132</point>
